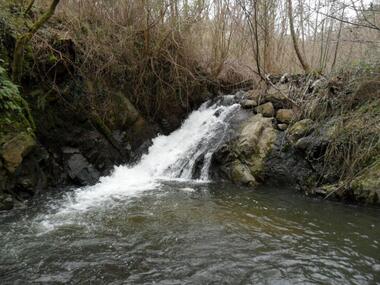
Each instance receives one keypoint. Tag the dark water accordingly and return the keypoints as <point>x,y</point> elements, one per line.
<point>203,234</point>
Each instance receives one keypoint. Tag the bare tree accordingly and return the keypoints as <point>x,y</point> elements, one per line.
<point>18,56</point>
<point>300,57</point>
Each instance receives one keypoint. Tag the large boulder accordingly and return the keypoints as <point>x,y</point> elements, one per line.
<point>16,149</point>
<point>285,166</point>
<point>242,160</point>
<point>79,169</point>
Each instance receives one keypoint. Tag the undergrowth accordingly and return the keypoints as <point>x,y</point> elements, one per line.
<point>346,107</point>
<point>155,67</point>
<point>14,111</point>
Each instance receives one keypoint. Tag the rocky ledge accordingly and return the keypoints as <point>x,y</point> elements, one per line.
<point>279,143</point>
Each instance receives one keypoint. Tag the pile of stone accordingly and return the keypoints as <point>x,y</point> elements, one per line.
<point>272,103</point>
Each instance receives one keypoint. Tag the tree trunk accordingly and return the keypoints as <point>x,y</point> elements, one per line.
<point>22,41</point>
<point>301,59</point>
<point>337,42</point>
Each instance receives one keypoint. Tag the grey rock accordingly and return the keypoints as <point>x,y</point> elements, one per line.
<point>282,127</point>
<point>300,129</point>
<point>70,150</point>
<point>366,187</point>
<point>303,143</point>
<point>248,104</point>
<point>6,202</point>
<point>242,159</point>
<point>80,170</point>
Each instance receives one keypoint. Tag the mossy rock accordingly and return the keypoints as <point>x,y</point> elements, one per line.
<point>6,202</point>
<point>285,116</point>
<point>15,115</point>
<point>240,173</point>
<point>16,125</point>
<point>300,129</point>
<point>126,113</point>
<point>267,109</point>
<point>366,187</point>
<point>254,143</point>
<point>16,149</point>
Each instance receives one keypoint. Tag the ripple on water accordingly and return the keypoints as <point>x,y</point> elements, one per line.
<point>211,233</point>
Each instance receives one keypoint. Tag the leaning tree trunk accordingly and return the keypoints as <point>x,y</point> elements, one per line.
<point>18,56</point>
<point>301,59</point>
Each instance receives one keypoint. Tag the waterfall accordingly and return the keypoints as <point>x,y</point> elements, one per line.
<point>183,155</point>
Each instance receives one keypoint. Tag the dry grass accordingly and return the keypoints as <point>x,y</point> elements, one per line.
<point>347,109</point>
<point>128,46</point>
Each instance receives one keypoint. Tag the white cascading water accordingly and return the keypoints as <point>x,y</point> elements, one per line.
<point>177,156</point>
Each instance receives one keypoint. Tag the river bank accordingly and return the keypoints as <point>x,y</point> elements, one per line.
<point>317,133</point>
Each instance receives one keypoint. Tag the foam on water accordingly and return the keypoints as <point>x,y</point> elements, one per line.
<point>173,157</point>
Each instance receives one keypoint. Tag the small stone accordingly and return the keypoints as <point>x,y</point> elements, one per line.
<point>302,144</point>
<point>267,109</point>
<point>285,115</point>
<point>282,127</point>
<point>300,129</point>
<point>248,104</point>
<point>6,202</point>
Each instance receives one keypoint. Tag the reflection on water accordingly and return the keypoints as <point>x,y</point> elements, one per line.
<point>184,233</point>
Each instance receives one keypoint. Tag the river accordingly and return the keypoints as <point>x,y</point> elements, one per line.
<point>163,221</point>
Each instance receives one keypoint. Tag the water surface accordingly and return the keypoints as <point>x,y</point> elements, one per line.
<point>193,233</point>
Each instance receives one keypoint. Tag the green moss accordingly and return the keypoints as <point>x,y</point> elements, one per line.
<point>52,59</point>
<point>15,115</point>
<point>11,12</point>
<point>370,179</point>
